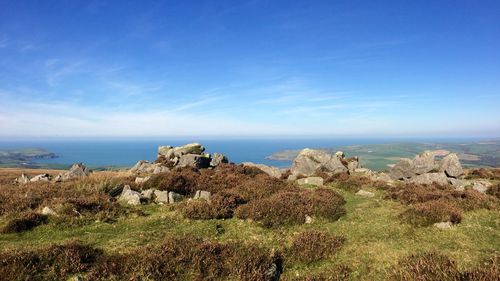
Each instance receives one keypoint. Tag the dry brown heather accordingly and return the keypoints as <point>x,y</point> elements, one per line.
<point>490,173</point>
<point>240,233</point>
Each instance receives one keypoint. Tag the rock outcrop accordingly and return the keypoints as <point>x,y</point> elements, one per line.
<point>22,179</point>
<point>451,166</point>
<point>78,170</point>
<point>430,178</point>
<point>311,161</point>
<point>41,177</point>
<point>271,171</point>
<point>317,181</point>
<point>130,196</point>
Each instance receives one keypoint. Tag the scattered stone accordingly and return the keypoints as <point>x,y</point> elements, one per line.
<point>147,194</point>
<point>194,160</point>
<point>161,196</point>
<point>481,185</point>
<point>116,191</point>
<point>317,181</point>
<point>23,179</point>
<point>402,169</point>
<point>129,196</point>
<point>443,225</point>
<point>78,170</point>
<point>364,193</point>
<point>202,194</point>
<point>174,197</point>
<point>451,166</point>
<point>310,161</point>
<point>430,178</point>
<point>139,180</point>
<point>158,168</point>
<point>41,177</point>
<point>308,219</point>
<point>48,211</point>
<point>459,185</point>
<point>218,159</point>
<point>271,171</point>
<point>145,167</point>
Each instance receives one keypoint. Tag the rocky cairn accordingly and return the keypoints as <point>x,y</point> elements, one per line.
<point>78,170</point>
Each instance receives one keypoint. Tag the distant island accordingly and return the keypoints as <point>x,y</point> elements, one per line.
<point>381,156</point>
<point>24,157</point>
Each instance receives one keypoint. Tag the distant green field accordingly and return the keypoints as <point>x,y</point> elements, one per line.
<point>378,156</point>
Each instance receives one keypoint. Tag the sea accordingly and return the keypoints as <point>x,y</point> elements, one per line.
<point>126,152</point>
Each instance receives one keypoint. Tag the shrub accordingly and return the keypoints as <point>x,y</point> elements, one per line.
<point>484,173</point>
<point>414,193</point>
<point>487,271</point>
<point>180,180</point>
<point>220,206</point>
<point>428,213</point>
<point>26,222</point>
<point>291,207</point>
<point>312,246</point>
<point>494,191</point>
<point>52,263</point>
<point>426,267</point>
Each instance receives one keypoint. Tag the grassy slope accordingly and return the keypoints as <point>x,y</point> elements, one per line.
<point>376,238</point>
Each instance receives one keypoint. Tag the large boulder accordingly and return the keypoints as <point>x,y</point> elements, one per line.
<point>146,167</point>
<point>271,171</point>
<point>310,161</point>
<point>424,163</point>
<point>402,170</point>
<point>194,160</point>
<point>170,152</point>
<point>218,159</point>
<point>78,170</point>
<point>161,196</point>
<point>451,166</point>
<point>317,181</point>
<point>430,178</point>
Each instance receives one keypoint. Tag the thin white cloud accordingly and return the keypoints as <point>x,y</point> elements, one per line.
<point>57,69</point>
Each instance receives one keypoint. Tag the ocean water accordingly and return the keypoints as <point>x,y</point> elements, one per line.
<point>125,153</point>
<point>128,152</point>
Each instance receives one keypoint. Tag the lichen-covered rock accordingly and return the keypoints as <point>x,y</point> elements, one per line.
<point>48,211</point>
<point>41,177</point>
<point>218,159</point>
<point>78,170</point>
<point>140,180</point>
<point>430,178</point>
<point>310,161</point>
<point>22,179</point>
<point>402,170</point>
<point>424,163</point>
<point>271,171</point>
<point>130,196</point>
<point>451,166</point>
<point>191,148</point>
<point>202,194</point>
<point>161,196</point>
<point>194,160</point>
<point>317,181</point>
<point>147,194</point>
<point>174,197</point>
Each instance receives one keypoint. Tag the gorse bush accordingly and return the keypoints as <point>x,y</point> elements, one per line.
<point>311,246</point>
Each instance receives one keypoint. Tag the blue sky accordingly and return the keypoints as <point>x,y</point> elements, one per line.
<point>249,68</point>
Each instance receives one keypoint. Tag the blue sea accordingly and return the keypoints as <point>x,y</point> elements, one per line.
<point>127,152</point>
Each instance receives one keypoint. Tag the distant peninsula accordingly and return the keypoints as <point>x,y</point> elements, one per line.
<point>24,157</point>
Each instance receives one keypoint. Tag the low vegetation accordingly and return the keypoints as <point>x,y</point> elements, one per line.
<point>254,227</point>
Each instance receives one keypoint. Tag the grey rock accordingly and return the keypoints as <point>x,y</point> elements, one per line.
<point>430,178</point>
<point>353,165</point>
<point>147,194</point>
<point>140,180</point>
<point>481,185</point>
<point>116,191</point>
<point>202,194</point>
<point>191,148</point>
<point>443,225</point>
<point>158,168</point>
<point>451,166</point>
<point>218,159</point>
<point>166,151</point>
<point>457,184</point>
<point>340,154</point>
<point>78,170</point>
<point>271,171</point>
<point>23,179</point>
<point>424,163</point>
<point>310,161</point>
<point>41,177</point>
<point>174,197</point>
<point>317,181</point>
<point>194,160</point>
<point>402,170</point>
<point>129,196</point>
<point>161,196</point>
<point>48,211</point>
<point>364,193</point>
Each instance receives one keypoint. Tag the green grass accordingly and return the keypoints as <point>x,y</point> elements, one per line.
<point>375,236</point>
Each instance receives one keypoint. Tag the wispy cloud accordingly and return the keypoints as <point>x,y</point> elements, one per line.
<point>57,69</point>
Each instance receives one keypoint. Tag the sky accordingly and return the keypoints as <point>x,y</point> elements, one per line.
<point>249,68</point>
